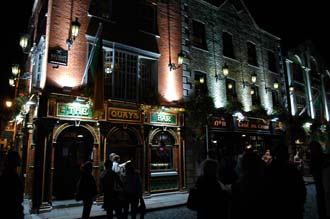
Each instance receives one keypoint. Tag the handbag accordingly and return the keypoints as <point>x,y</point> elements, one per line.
<point>192,201</point>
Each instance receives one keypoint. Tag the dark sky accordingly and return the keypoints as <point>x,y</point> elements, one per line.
<point>294,21</point>
<point>14,17</point>
<point>291,20</point>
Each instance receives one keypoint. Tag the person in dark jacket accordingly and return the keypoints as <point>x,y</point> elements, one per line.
<point>111,200</point>
<point>11,188</point>
<point>213,198</point>
<point>132,191</point>
<point>286,191</point>
<point>86,188</point>
<point>316,165</point>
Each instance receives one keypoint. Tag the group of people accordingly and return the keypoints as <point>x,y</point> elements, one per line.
<point>262,189</point>
<point>120,185</point>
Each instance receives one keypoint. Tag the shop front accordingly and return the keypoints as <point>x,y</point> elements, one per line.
<point>75,140</point>
<point>230,134</point>
<point>165,152</point>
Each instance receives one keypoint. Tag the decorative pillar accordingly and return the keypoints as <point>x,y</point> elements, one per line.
<point>291,100</point>
<point>309,97</point>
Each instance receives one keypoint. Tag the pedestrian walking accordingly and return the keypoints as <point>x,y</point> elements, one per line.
<point>248,192</point>
<point>286,191</point>
<point>132,191</point>
<point>316,165</point>
<point>86,188</point>
<point>212,195</point>
<point>111,200</point>
<point>11,188</point>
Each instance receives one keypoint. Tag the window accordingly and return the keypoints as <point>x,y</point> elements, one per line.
<point>198,35</point>
<point>231,90</point>
<point>147,18</point>
<point>297,72</point>
<point>275,98</point>
<point>200,83</point>
<point>252,54</point>
<point>103,9</point>
<point>255,95</point>
<point>271,61</point>
<point>315,76</point>
<point>162,153</point>
<point>132,76</point>
<point>228,49</point>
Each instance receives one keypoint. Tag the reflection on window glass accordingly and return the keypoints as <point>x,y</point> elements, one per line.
<point>161,158</point>
<point>162,151</point>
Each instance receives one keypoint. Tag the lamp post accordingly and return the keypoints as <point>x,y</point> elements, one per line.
<point>74,30</point>
<point>225,72</point>
<point>16,71</point>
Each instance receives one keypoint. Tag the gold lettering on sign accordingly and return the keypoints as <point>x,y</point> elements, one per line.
<point>163,118</point>
<point>122,114</point>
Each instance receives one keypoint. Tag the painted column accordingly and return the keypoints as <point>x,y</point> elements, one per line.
<point>292,97</point>
<point>309,97</point>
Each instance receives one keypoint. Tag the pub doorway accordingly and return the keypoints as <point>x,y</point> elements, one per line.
<point>125,143</point>
<point>74,146</point>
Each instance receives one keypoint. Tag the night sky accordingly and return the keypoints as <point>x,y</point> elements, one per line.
<point>292,20</point>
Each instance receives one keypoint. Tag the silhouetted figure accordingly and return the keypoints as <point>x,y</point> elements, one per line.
<point>248,192</point>
<point>86,188</point>
<point>326,184</point>
<point>286,189</point>
<point>132,190</point>
<point>316,165</point>
<point>227,168</point>
<point>213,198</point>
<point>11,189</point>
<point>111,201</point>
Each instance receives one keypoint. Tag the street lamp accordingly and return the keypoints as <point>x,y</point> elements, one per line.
<point>275,86</point>
<point>16,71</point>
<point>8,103</point>
<point>253,80</point>
<point>225,72</point>
<point>74,30</point>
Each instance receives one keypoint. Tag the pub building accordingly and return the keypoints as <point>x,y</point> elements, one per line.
<point>230,134</point>
<point>134,109</point>
<point>147,136</point>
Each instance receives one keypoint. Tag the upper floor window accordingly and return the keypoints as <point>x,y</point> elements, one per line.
<point>200,83</point>
<point>198,35</point>
<point>252,54</point>
<point>314,74</point>
<point>297,73</point>
<point>255,95</point>
<point>103,9</point>
<point>231,90</point>
<point>271,61</point>
<point>131,78</point>
<point>147,18</point>
<point>275,98</point>
<point>228,48</point>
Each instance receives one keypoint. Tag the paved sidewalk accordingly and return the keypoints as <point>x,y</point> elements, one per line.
<point>71,209</point>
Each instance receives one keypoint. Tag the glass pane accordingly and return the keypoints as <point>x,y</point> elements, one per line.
<point>161,158</point>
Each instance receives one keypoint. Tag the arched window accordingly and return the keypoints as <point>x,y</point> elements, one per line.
<point>162,156</point>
